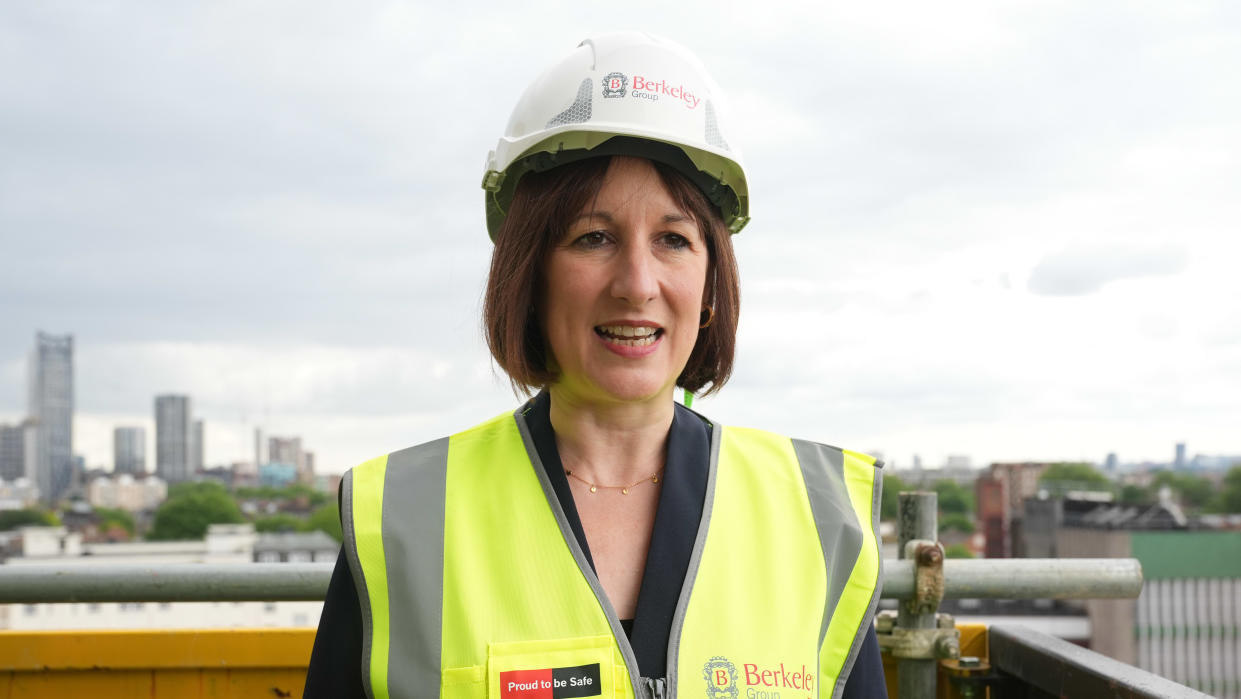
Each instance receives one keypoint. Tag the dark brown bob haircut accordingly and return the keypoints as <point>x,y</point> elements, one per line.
<point>543,205</point>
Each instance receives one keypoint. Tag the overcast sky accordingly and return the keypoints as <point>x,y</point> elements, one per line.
<point>1005,230</point>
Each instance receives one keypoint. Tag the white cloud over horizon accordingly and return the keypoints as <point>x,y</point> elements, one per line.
<point>1005,230</point>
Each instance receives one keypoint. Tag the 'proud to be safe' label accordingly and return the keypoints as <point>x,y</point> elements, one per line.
<point>551,683</point>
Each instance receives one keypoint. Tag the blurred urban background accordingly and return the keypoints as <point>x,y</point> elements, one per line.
<point>1181,517</point>
<point>242,249</point>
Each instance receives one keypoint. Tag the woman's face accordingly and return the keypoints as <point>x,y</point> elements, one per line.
<point>624,290</point>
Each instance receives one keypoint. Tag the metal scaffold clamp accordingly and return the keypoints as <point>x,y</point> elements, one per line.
<point>940,643</point>
<point>937,643</point>
<point>928,558</point>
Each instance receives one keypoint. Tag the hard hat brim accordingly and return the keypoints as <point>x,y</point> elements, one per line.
<point>720,178</point>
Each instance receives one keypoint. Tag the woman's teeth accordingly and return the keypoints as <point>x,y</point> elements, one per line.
<point>628,335</point>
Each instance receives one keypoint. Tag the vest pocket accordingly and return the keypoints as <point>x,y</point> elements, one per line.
<point>464,682</point>
<point>556,669</point>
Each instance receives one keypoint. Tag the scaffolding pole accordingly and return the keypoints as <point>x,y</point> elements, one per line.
<point>1024,578</point>
<point>917,525</point>
<point>996,578</point>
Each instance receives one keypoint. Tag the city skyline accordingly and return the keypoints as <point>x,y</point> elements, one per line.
<point>1007,231</point>
<point>233,442</point>
<point>192,448</point>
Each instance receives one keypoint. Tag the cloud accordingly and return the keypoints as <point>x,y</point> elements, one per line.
<point>1077,272</point>
<point>278,208</point>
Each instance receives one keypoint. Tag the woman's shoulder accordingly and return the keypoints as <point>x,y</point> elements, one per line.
<point>490,428</point>
<point>754,437</point>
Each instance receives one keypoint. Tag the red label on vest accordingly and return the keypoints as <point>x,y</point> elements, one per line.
<point>526,684</point>
<point>551,683</point>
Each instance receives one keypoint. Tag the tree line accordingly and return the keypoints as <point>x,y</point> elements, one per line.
<point>1192,491</point>
<point>191,507</point>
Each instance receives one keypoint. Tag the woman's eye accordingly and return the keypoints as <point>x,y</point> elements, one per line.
<point>676,241</point>
<point>593,239</point>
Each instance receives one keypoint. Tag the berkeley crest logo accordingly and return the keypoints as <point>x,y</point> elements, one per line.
<point>614,84</point>
<point>721,677</point>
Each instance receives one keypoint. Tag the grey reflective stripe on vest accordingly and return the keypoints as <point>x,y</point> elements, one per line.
<point>413,539</point>
<point>695,559</point>
<point>876,497</point>
<point>359,580</point>
<point>823,470</point>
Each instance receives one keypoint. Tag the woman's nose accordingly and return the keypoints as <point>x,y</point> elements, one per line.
<point>634,278</point>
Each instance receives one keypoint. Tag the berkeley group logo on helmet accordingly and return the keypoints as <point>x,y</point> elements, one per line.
<point>614,84</point>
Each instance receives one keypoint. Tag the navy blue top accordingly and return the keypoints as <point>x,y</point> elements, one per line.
<point>336,662</point>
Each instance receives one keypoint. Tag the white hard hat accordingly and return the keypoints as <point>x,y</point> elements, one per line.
<point>622,93</point>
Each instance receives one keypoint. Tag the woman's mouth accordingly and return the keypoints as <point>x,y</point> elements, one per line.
<point>629,335</point>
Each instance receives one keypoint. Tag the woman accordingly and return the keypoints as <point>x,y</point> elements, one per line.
<point>602,540</point>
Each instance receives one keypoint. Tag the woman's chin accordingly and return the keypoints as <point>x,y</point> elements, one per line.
<point>619,390</point>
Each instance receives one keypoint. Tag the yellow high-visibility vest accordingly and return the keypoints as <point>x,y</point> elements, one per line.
<point>472,584</point>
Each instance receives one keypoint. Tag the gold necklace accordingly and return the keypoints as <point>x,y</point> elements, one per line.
<point>654,478</point>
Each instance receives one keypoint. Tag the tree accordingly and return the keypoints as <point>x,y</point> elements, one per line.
<point>265,492</point>
<point>953,521</point>
<point>280,522</point>
<point>889,505</point>
<point>954,498</point>
<point>292,491</point>
<point>298,490</point>
<point>190,508</point>
<point>1075,475</point>
<point>958,551</point>
<point>1136,495</point>
<point>32,517</point>
<point>109,516</point>
<point>194,487</point>
<point>326,519</point>
<point>1195,491</point>
<point>1229,497</point>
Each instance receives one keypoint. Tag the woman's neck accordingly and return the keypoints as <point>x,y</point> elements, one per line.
<point>610,443</point>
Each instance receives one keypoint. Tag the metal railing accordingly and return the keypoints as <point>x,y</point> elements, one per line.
<point>1027,658</point>
<point>917,636</point>
<point>190,582</point>
<point>980,579</point>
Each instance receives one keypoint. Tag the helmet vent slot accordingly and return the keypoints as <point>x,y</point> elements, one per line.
<point>577,112</point>
<point>712,131</point>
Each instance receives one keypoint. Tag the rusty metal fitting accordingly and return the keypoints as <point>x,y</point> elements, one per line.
<point>921,644</point>
<point>948,645</point>
<point>928,557</point>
